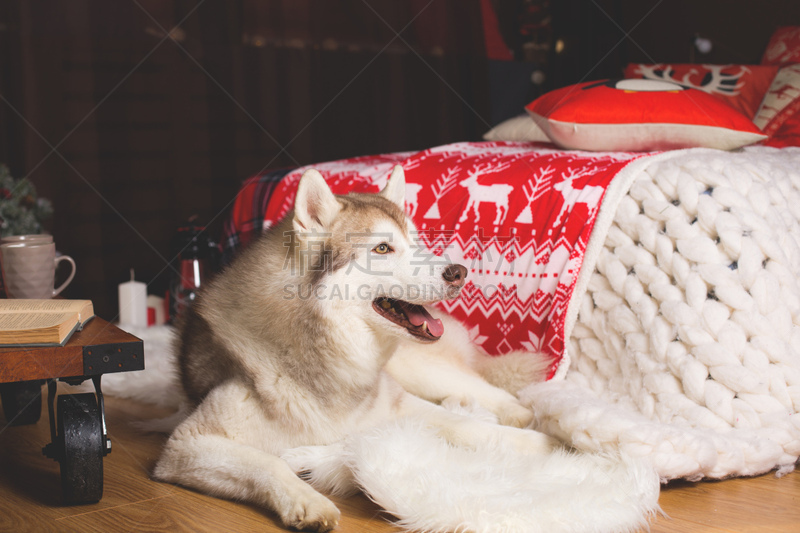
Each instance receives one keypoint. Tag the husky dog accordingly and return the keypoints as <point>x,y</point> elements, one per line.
<point>288,347</point>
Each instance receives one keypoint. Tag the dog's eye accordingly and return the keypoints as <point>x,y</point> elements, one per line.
<point>382,248</point>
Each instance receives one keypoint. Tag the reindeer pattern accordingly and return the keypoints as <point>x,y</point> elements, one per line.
<point>496,194</point>
<point>718,79</point>
<point>504,211</point>
<point>784,90</point>
<point>482,193</point>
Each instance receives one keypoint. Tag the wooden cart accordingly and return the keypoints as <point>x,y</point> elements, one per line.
<point>79,440</point>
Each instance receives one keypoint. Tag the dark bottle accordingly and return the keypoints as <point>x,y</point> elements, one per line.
<point>194,262</point>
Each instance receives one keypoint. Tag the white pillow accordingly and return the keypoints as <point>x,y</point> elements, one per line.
<point>521,128</point>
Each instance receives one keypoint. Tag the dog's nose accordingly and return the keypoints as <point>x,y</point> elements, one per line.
<point>455,275</point>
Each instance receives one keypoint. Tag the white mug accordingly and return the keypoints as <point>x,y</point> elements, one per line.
<point>29,269</point>
<point>36,237</point>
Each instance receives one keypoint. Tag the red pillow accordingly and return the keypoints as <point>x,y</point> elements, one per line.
<point>741,86</point>
<point>639,115</point>
<point>779,112</point>
<point>787,132</point>
<point>783,47</point>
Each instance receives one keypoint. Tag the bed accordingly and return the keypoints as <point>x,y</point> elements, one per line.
<point>663,286</point>
<point>652,252</point>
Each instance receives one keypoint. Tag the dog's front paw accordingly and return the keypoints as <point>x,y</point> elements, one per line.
<point>533,442</point>
<point>311,512</point>
<point>514,414</point>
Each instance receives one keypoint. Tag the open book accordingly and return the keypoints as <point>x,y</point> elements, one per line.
<point>41,322</point>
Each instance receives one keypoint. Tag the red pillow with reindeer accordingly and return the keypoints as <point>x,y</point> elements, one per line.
<point>779,115</point>
<point>783,47</point>
<point>741,86</point>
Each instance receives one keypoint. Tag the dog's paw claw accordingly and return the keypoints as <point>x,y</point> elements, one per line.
<point>515,415</point>
<point>315,514</point>
<point>535,442</point>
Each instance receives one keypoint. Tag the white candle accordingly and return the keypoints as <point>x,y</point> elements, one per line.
<point>133,303</point>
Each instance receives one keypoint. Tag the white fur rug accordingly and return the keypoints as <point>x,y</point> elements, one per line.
<point>429,486</point>
<point>158,383</point>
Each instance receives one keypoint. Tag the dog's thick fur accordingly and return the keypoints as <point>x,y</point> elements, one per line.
<point>288,347</point>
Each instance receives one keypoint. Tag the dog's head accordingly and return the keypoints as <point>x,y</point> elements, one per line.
<point>364,257</point>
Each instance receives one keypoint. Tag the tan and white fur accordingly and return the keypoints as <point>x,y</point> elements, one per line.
<point>289,346</point>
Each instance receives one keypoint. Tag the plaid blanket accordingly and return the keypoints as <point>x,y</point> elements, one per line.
<point>247,216</point>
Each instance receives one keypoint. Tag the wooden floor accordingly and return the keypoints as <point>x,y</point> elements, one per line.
<point>30,494</point>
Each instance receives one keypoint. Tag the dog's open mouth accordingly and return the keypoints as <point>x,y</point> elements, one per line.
<point>414,318</point>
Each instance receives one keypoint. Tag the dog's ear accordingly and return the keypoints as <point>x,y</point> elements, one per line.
<point>315,206</point>
<point>395,189</point>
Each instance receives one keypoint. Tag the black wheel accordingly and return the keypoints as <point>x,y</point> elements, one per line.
<point>22,402</point>
<point>80,435</point>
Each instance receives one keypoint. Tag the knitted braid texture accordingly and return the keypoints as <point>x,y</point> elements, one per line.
<point>687,344</point>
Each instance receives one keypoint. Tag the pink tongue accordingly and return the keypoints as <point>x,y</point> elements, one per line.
<point>417,315</point>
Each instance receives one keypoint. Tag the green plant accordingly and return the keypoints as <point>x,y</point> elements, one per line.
<point>21,212</point>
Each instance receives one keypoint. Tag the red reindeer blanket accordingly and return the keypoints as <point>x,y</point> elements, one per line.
<point>518,215</point>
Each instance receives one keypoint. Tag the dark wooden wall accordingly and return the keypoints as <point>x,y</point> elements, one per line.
<point>602,36</point>
<point>129,133</point>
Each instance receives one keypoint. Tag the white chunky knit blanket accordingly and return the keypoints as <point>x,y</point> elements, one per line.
<point>684,331</point>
